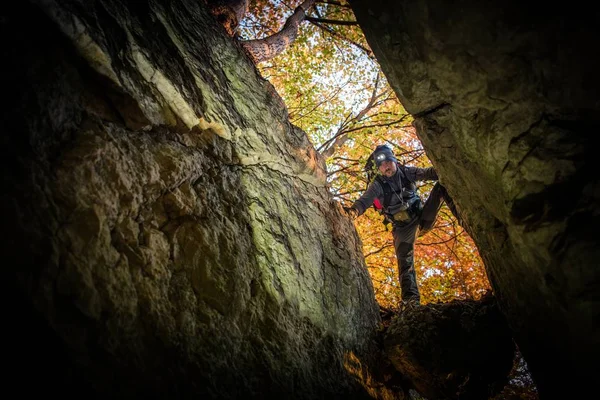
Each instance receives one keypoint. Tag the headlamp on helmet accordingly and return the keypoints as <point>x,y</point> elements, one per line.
<point>383,153</point>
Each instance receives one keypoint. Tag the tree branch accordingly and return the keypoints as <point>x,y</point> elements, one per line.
<point>333,94</point>
<point>367,51</point>
<point>338,138</point>
<point>334,3</point>
<point>376,125</point>
<point>264,49</point>
<point>331,21</point>
<point>378,250</point>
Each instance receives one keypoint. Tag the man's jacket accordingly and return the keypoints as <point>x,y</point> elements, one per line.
<point>404,190</point>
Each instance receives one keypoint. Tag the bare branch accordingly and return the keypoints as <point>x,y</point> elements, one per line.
<point>377,125</point>
<point>332,32</point>
<point>441,241</point>
<point>338,138</point>
<point>331,21</point>
<point>358,128</point>
<point>334,3</point>
<point>333,94</point>
<point>341,136</point>
<point>387,246</point>
<point>353,160</point>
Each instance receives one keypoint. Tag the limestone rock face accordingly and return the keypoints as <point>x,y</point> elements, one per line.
<point>505,95</point>
<point>167,232</point>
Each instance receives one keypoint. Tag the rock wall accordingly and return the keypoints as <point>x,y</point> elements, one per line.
<point>167,232</point>
<point>505,96</point>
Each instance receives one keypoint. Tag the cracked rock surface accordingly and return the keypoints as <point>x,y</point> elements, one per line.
<point>167,232</point>
<point>505,95</point>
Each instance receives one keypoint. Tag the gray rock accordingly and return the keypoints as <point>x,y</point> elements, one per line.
<point>457,350</point>
<point>167,232</point>
<point>505,95</point>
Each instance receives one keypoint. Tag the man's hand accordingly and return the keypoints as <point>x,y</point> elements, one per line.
<point>351,212</point>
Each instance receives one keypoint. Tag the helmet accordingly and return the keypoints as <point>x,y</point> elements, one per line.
<point>383,153</point>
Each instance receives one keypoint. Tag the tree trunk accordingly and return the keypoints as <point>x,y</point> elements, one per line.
<point>228,13</point>
<point>267,48</point>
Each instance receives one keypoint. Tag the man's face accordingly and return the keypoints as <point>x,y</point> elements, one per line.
<point>388,168</point>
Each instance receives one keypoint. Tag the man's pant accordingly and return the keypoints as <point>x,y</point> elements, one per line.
<point>406,234</point>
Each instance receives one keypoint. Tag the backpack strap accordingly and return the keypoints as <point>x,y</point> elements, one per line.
<point>407,183</point>
<point>387,192</point>
<point>387,189</point>
<point>402,169</point>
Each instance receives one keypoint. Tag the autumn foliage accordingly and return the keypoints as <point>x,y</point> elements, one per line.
<point>335,91</point>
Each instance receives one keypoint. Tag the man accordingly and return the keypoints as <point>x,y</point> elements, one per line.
<point>395,191</point>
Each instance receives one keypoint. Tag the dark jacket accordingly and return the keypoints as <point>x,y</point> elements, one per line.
<point>403,187</point>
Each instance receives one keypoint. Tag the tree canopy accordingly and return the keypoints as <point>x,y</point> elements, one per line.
<point>335,91</point>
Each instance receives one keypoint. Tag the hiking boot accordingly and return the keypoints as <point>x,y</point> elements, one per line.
<point>409,304</point>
